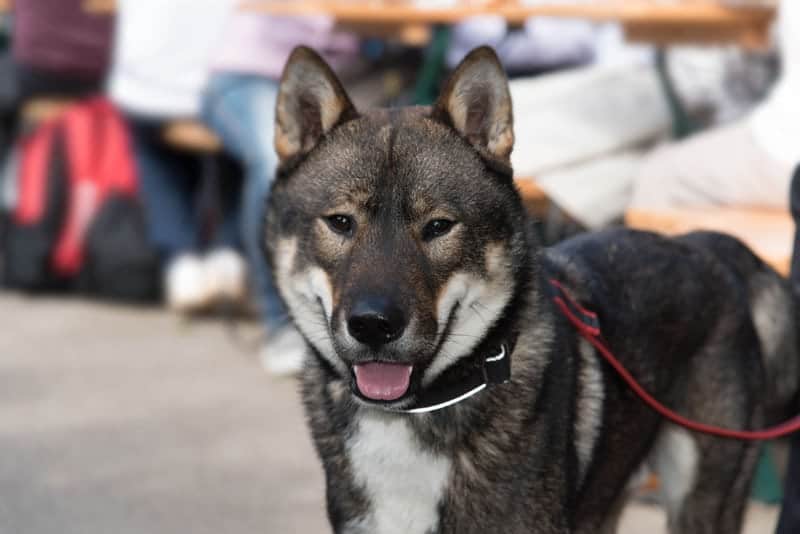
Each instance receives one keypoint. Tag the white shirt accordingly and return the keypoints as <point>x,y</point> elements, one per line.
<point>162,53</point>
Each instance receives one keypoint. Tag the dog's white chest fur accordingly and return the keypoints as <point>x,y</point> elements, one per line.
<point>403,482</point>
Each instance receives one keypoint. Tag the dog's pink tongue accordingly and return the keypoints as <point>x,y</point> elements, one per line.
<point>383,381</point>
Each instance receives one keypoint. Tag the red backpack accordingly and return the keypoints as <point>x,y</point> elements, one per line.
<point>78,223</point>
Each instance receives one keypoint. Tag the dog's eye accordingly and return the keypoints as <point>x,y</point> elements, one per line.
<point>341,224</point>
<point>436,228</point>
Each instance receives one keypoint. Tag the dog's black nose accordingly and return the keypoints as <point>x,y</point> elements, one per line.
<point>375,321</point>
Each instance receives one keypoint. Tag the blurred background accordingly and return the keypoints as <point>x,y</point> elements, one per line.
<point>147,366</point>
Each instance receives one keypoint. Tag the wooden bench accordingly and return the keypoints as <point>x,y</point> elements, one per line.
<point>652,21</point>
<point>38,110</point>
<point>769,233</point>
<point>191,136</point>
<point>534,198</point>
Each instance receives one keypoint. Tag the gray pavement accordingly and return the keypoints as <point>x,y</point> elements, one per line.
<point>121,420</point>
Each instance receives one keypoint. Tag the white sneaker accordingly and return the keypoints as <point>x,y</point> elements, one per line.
<point>283,352</point>
<point>185,285</point>
<point>226,275</point>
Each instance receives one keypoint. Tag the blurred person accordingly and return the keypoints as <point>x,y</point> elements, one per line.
<point>159,71</point>
<point>567,130</point>
<point>597,105</point>
<point>58,49</point>
<point>239,105</point>
<point>586,120</point>
<point>207,59</point>
<point>748,162</point>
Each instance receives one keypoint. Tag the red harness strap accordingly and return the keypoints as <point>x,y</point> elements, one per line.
<point>589,329</point>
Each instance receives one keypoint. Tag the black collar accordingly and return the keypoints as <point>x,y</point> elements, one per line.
<point>489,365</point>
<point>471,377</point>
<point>494,369</point>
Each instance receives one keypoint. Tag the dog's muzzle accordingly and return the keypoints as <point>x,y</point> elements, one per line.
<point>389,382</point>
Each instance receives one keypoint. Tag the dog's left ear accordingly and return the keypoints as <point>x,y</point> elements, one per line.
<point>476,102</point>
<point>311,102</point>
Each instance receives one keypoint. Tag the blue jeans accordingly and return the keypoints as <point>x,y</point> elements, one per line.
<point>240,108</point>
<point>170,188</point>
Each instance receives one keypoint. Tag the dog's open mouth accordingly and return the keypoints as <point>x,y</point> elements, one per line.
<point>382,381</point>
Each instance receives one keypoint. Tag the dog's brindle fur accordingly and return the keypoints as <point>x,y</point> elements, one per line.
<point>555,450</point>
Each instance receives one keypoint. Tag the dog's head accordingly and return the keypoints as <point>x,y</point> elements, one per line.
<point>395,235</point>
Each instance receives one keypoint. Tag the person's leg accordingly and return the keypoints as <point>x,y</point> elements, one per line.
<point>789,522</point>
<point>240,109</point>
<point>724,166</point>
<point>224,265</point>
<point>229,191</point>
<point>167,191</point>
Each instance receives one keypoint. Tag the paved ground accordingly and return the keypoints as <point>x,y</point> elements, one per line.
<point>117,420</point>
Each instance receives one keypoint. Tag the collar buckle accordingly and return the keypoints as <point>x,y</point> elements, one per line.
<point>497,368</point>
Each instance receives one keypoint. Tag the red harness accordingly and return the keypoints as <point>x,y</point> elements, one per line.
<point>587,325</point>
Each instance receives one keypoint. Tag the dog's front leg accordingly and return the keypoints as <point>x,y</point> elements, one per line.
<point>348,510</point>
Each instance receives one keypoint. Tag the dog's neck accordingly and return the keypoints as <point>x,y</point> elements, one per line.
<point>404,462</point>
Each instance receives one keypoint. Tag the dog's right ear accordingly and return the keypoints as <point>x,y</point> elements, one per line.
<point>311,102</point>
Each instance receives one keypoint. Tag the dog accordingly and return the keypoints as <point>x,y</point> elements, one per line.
<point>444,390</point>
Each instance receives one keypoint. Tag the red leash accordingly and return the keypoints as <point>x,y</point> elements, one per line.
<point>591,332</point>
